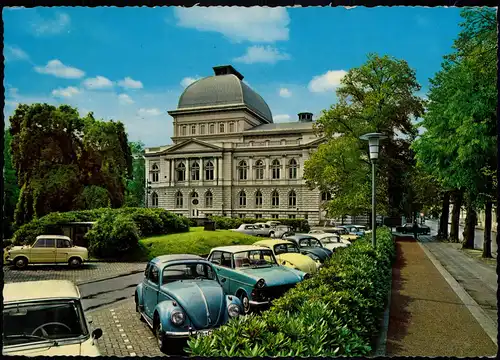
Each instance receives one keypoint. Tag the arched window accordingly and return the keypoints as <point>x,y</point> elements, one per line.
<point>326,196</point>
<point>181,172</point>
<point>155,173</point>
<point>292,169</point>
<point>231,127</point>
<point>184,130</point>
<point>243,199</point>
<point>292,199</point>
<point>209,199</point>
<point>259,170</point>
<point>209,170</point>
<point>193,129</point>
<point>275,169</point>
<point>242,170</point>
<point>194,198</point>
<point>154,199</point>
<point>195,171</point>
<point>258,199</point>
<point>179,200</point>
<point>212,128</point>
<point>221,127</point>
<point>275,198</point>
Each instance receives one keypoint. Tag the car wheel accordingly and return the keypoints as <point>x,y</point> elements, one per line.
<point>245,302</point>
<point>74,262</point>
<point>21,263</point>
<point>160,336</point>
<point>271,234</point>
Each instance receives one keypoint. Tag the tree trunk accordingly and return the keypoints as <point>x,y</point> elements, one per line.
<point>487,229</point>
<point>455,215</point>
<point>470,225</point>
<point>444,219</point>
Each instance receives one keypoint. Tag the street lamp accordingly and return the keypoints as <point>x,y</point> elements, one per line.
<point>373,144</point>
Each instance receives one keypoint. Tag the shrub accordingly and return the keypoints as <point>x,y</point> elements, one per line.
<point>225,223</point>
<point>334,313</point>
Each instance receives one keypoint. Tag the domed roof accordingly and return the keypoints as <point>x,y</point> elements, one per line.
<point>225,88</point>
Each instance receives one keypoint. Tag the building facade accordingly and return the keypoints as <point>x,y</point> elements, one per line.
<point>229,158</point>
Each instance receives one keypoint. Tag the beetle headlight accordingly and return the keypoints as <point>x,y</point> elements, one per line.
<point>177,317</point>
<point>307,276</point>
<point>261,283</point>
<point>233,310</point>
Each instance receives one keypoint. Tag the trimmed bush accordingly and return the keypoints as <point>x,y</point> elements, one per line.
<point>225,223</point>
<point>334,313</point>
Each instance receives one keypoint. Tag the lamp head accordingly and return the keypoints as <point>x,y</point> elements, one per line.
<point>373,143</point>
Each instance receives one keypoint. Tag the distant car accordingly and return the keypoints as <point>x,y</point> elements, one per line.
<point>332,241</point>
<point>280,231</point>
<point>273,223</point>
<point>288,254</point>
<point>48,249</point>
<point>344,234</point>
<point>249,229</point>
<point>353,230</point>
<point>252,274</point>
<point>408,228</point>
<point>310,246</point>
<point>181,295</point>
<point>46,318</point>
<point>362,228</point>
<point>265,230</point>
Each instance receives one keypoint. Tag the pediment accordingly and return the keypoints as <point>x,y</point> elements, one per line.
<point>192,146</point>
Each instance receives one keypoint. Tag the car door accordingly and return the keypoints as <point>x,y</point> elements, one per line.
<point>43,251</point>
<point>216,259</point>
<point>63,246</point>
<point>150,290</point>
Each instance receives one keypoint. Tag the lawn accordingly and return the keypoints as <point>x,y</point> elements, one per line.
<point>196,241</point>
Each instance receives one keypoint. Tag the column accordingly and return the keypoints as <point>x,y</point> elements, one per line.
<point>250,169</point>
<point>200,161</point>
<point>170,172</point>
<point>188,170</point>
<point>216,170</point>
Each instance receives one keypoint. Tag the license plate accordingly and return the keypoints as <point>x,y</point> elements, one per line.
<point>205,332</point>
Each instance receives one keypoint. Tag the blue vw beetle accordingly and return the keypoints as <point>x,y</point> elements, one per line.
<point>252,274</point>
<point>181,296</point>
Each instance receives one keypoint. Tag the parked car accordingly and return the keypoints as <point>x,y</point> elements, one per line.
<point>46,318</point>
<point>353,230</point>
<point>310,246</point>
<point>182,295</point>
<point>288,254</point>
<point>252,274</point>
<point>362,228</point>
<point>408,228</point>
<point>280,231</point>
<point>48,249</point>
<point>249,229</point>
<point>273,223</point>
<point>263,229</point>
<point>344,234</point>
<point>331,241</point>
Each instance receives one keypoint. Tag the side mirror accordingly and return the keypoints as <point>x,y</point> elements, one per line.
<point>223,280</point>
<point>97,333</point>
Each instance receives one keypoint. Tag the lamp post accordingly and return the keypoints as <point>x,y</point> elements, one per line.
<point>373,144</point>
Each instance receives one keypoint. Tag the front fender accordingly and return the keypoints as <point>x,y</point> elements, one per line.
<point>138,293</point>
<point>231,299</point>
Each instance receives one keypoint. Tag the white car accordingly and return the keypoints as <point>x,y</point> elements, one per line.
<point>331,241</point>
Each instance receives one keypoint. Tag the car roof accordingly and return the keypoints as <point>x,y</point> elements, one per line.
<point>53,237</point>
<point>302,236</point>
<point>175,257</point>
<point>322,236</point>
<point>271,243</point>
<point>39,290</point>
<point>238,248</point>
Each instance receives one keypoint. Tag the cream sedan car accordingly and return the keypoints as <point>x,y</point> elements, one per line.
<point>45,318</point>
<point>331,241</point>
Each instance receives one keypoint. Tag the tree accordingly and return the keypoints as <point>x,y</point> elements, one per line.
<point>11,189</point>
<point>376,97</point>
<point>135,185</point>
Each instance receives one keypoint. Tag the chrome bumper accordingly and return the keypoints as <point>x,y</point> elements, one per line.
<point>186,334</point>
<point>259,303</point>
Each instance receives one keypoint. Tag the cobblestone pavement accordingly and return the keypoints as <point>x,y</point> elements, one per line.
<point>123,333</point>
<point>479,279</point>
<point>87,273</point>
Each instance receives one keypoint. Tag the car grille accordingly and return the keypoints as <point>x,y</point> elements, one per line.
<point>275,292</point>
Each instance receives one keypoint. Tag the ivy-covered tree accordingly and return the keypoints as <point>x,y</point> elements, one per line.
<point>135,185</point>
<point>10,188</point>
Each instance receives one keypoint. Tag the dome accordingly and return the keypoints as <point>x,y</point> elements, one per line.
<point>225,88</point>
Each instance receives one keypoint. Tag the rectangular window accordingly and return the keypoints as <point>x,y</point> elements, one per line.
<point>291,216</point>
<point>184,130</point>
<point>208,215</point>
<point>193,129</point>
<point>221,127</point>
<point>242,216</point>
<point>275,216</point>
<point>231,127</point>
<point>212,128</point>
<point>258,216</point>
<point>202,129</point>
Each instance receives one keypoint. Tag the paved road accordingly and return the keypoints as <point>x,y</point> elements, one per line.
<point>478,238</point>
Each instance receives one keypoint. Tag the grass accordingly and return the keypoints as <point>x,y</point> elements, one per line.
<point>196,241</point>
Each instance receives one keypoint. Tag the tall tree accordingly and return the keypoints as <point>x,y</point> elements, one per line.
<point>135,185</point>
<point>10,187</point>
<point>379,96</point>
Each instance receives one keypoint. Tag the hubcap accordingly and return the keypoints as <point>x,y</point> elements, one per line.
<point>246,303</point>
<point>74,262</point>
<point>20,263</point>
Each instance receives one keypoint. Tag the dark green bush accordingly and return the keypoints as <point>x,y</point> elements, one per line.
<point>225,223</point>
<point>334,313</point>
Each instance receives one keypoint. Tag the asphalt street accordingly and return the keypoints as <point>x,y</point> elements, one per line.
<point>99,293</point>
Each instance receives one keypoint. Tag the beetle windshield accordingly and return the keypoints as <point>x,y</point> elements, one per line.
<point>42,321</point>
<point>286,248</point>
<point>329,240</point>
<point>187,271</point>
<point>254,258</point>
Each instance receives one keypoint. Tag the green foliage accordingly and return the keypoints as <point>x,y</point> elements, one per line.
<point>222,222</point>
<point>135,185</point>
<point>334,313</point>
<point>11,189</point>
<point>93,197</point>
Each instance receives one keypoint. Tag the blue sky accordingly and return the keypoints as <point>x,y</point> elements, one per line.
<point>132,64</point>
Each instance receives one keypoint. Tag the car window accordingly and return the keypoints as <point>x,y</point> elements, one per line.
<point>315,243</point>
<point>225,260</point>
<point>215,257</point>
<point>146,271</point>
<point>280,249</point>
<point>50,243</point>
<point>292,248</point>
<point>153,274</point>
<point>63,243</point>
<point>188,271</point>
<point>40,243</point>
<point>328,240</point>
<point>254,258</point>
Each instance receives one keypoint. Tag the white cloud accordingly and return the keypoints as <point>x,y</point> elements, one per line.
<point>125,99</point>
<point>285,93</point>
<point>255,24</point>
<point>13,52</point>
<point>262,54</point>
<point>188,81</point>
<point>130,83</point>
<point>326,82</point>
<point>281,118</point>
<point>148,112</point>
<point>53,26</point>
<point>58,69</point>
<point>99,82</point>
<point>65,92</point>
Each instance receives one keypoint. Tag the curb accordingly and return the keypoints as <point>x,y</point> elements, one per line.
<point>380,349</point>
<point>84,282</point>
<point>477,312</point>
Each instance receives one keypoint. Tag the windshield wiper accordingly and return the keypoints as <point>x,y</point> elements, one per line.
<point>28,336</point>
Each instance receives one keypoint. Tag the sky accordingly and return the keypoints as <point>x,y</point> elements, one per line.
<point>132,64</point>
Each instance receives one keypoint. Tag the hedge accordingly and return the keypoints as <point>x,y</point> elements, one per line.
<point>335,313</point>
<point>225,223</point>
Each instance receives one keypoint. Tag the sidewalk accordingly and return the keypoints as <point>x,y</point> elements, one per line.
<point>427,317</point>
